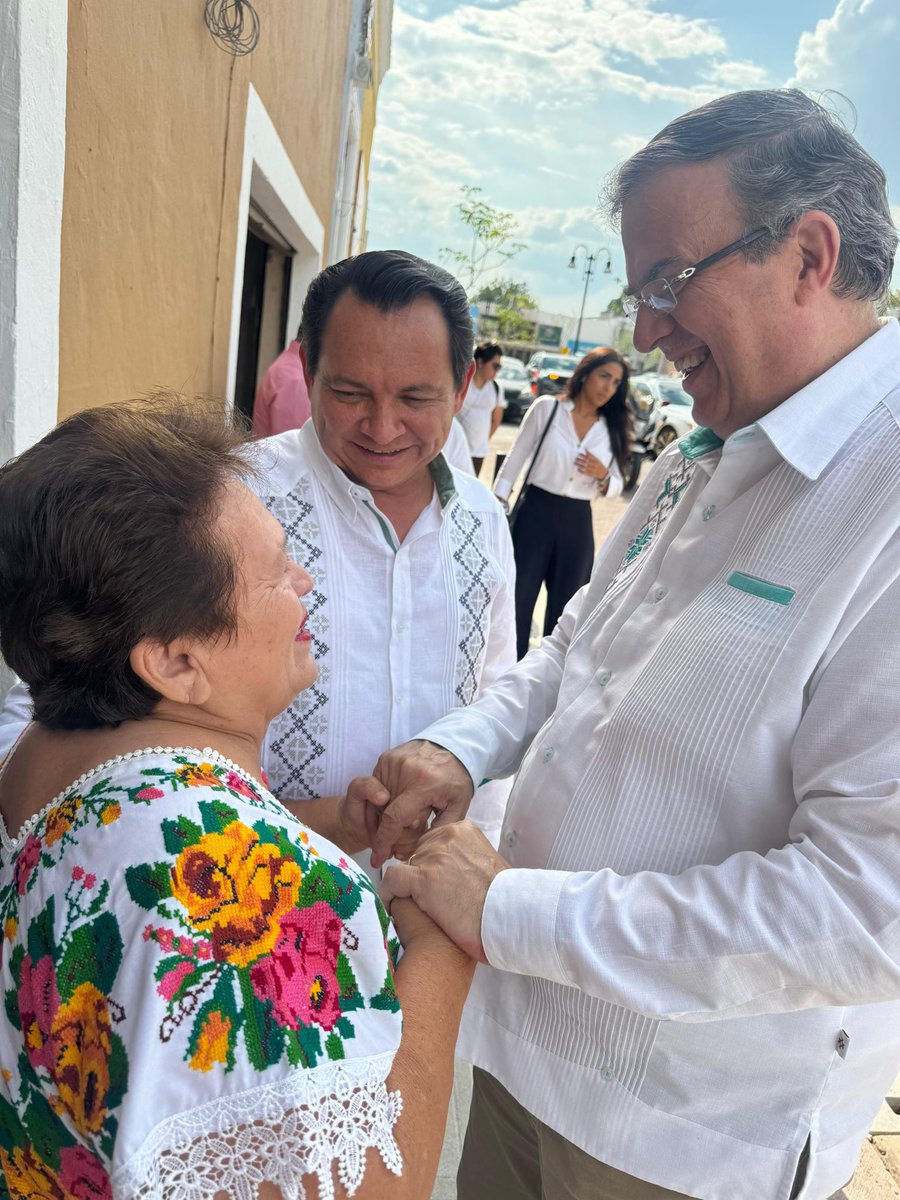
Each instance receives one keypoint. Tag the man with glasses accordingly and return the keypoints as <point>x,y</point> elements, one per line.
<point>693,986</point>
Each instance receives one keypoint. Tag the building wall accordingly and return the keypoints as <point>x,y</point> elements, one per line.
<point>154,153</point>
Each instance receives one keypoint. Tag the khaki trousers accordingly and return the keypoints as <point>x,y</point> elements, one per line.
<point>510,1155</point>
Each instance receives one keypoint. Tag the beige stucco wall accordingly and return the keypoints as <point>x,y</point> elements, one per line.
<point>154,145</point>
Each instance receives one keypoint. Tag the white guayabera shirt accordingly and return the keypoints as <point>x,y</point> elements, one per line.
<point>698,969</point>
<point>402,632</point>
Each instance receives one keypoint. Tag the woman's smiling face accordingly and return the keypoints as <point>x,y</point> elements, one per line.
<point>269,659</point>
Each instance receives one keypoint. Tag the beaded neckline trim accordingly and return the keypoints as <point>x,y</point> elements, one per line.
<point>207,752</point>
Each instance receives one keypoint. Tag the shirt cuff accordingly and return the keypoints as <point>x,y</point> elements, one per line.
<point>519,922</point>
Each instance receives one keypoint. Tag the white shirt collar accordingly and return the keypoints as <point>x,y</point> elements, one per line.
<point>811,426</point>
<point>348,495</point>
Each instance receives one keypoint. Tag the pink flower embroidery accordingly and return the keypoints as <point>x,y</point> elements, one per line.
<point>172,980</point>
<point>26,862</point>
<point>237,784</point>
<point>149,793</point>
<point>185,946</point>
<point>77,873</point>
<point>83,1176</point>
<point>89,881</point>
<point>299,976</point>
<point>203,950</point>
<point>38,1004</point>
<point>165,939</point>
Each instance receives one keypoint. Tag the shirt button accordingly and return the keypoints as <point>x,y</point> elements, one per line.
<point>659,594</point>
<point>604,677</point>
<point>548,753</point>
<point>511,838</point>
<point>709,512</point>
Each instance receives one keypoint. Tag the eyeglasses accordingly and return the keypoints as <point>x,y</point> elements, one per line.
<point>660,294</point>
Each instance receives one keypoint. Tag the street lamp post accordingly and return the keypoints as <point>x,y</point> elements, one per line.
<point>590,257</point>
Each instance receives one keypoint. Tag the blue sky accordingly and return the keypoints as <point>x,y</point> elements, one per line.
<point>534,101</point>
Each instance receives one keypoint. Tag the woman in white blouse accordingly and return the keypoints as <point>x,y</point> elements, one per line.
<point>203,996</point>
<point>583,455</point>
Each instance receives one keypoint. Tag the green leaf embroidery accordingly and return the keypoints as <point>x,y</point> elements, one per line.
<point>148,883</point>
<point>334,1047</point>
<point>40,933</point>
<point>93,955</point>
<point>263,1036</point>
<point>179,834</point>
<point>11,1132</point>
<point>386,1000</point>
<point>11,1002</point>
<point>118,1072</point>
<point>216,815</point>
<point>345,1027</point>
<point>350,994</point>
<point>45,1130</point>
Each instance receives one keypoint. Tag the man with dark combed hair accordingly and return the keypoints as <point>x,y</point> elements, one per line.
<point>692,985</point>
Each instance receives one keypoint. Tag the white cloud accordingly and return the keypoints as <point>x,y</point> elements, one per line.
<point>534,101</point>
<point>739,75</point>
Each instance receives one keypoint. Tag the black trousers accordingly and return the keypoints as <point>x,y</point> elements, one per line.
<point>553,540</point>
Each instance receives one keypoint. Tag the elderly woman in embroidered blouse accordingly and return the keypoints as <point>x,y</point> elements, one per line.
<point>583,455</point>
<point>201,995</point>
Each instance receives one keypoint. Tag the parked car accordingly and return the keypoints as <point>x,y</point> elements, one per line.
<point>511,377</point>
<point>546,375</point>
<point>672,408</point>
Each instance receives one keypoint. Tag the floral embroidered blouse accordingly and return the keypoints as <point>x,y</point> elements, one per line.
<point>199,993</point>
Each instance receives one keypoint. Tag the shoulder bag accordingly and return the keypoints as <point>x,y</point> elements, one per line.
<point>514,511</point>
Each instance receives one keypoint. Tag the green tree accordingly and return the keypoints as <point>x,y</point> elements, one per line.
<point>493,238</point>
<point>509,298</point>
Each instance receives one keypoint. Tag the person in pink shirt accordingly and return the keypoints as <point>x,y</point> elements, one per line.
<point>282,401</point>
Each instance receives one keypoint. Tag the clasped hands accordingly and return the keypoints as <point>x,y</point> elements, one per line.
<point>454,863</point>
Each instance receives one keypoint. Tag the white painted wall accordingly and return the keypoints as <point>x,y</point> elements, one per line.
<point>33,58</point>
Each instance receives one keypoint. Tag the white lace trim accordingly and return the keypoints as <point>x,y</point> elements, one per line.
<point>9,843</point>
<point>307,1123</point>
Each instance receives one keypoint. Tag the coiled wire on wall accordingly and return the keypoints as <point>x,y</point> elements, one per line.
<point>233,23</point>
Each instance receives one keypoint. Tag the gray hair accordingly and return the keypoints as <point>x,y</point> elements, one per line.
<point>786,155</point>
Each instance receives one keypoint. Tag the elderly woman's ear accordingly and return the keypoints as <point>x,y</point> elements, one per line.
<point>176,670</point>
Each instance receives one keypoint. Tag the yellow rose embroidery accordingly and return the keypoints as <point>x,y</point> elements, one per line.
<point>61,819</point>
<point>236,889</point>
<point>82,1045</point>
<point>111,813</point>
<point>212,1045</point>
<point>198,775</point>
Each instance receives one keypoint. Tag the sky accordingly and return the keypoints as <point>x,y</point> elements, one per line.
<point>535,101</point>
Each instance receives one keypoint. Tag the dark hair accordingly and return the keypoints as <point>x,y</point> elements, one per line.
<point>786,155</point>
<point>107,536</point>
<point>487,351</point>
<point>615,412</point>
<point>388,280</point>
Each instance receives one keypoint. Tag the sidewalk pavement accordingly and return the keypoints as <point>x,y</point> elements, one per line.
<point>877,1175</point>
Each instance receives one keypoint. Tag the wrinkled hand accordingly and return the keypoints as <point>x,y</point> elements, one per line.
<point>418,779</point>
<point>589,464</point>
<point>364,805</point>
<point>448,879</point>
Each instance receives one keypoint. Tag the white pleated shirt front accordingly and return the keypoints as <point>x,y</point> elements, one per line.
<point>698,967</point>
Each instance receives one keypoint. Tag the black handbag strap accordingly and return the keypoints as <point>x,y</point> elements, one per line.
<point>538,450</point>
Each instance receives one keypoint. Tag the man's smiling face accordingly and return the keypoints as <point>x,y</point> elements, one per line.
<point>383,395</point>
<point>732,321</point>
